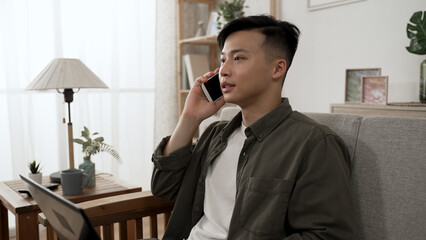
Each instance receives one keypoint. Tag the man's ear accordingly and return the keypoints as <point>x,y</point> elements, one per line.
<point>280,69</point>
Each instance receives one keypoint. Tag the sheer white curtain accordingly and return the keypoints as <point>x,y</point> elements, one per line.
<point>116,40</point>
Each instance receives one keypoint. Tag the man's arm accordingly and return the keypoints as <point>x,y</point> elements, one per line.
<point>173,154</point>
<point>321,205</point>
<point>197,108</point>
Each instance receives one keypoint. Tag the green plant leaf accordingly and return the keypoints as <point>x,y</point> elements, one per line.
<point>99,139</point>
<point>416,31</point>
<point>34,167</point>
<point>229,11</point>
<point>77,140</point>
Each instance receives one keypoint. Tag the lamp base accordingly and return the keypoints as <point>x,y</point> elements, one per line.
<point>55,177</point>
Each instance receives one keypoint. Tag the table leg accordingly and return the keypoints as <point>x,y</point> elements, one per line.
<point>4,223</point>
<point>27,226</point>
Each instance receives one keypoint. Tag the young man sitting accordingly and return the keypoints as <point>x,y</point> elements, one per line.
<point>270,172</point>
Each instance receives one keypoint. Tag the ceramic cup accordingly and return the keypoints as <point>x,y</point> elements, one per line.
<point>72,181</point>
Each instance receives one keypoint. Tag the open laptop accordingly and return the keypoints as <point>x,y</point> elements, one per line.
<point>67,219</point>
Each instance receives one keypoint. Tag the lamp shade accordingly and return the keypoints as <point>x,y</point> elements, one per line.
<point>66,73</point>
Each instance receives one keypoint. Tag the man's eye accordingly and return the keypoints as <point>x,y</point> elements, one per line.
<point>221,60</point>
<point>237,58</point>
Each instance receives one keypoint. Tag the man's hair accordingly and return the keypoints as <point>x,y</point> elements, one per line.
<point>281,37</point>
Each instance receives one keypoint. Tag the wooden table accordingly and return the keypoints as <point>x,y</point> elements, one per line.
<point>26,210</point>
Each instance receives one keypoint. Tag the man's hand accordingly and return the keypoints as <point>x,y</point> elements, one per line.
<point>197,108</point>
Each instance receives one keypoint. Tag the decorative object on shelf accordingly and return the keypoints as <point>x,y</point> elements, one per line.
<point>196,65</point>
<point>66,74</point>
<point>319,4</point>
<point>353,88</point>
<point>35,171</point>
<point>91,147</point>
<point>212,28</point>
<point>375,89</point>
<point>416,32</point>
<point>200,31</point>
<point>229,11</point>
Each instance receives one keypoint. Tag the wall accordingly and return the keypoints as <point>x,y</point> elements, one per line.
<point>362,34</point>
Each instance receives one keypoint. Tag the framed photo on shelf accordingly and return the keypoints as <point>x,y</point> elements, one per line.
<point>353,84</point>
<point>375,89</point>
<point>319,4</point>
<point>212,25</point>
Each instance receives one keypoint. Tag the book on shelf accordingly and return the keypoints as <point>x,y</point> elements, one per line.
<point>196,66</point>
<point>184,82</point>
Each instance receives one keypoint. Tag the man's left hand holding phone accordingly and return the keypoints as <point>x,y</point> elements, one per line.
<point>197,108</point>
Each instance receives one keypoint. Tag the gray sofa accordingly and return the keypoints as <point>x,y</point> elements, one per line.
<point>388,157</point>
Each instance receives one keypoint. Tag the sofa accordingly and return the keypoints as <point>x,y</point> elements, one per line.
<point>388,177</point>
<point>388,165</point>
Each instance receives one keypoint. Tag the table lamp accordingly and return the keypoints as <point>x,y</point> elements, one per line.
<point>64,74</point>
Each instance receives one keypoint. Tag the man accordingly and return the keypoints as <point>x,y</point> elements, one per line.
<point>269,173</point>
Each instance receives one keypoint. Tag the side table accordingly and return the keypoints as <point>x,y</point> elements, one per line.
<point>26,209</point>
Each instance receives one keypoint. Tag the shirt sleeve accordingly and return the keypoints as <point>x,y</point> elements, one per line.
<point>169,170</point>
<point>321,205</point>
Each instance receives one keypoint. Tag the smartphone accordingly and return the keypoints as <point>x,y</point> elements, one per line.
<point>212,89</point>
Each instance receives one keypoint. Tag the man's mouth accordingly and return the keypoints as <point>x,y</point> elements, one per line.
<point>226,87</point>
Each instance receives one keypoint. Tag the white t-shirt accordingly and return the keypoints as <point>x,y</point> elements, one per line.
<point>220,192</point>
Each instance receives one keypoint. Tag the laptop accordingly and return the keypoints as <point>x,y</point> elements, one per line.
<point>67,219</point>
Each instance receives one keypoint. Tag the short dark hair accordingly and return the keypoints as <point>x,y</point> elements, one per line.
<point>281,37</point>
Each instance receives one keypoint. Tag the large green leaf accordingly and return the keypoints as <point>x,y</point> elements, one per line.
<point>416,31</point>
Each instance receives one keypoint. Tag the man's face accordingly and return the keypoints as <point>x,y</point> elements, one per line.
<point>245,75</point>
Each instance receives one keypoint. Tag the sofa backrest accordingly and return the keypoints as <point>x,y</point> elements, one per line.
<point>388,173</point>
<point>389,178</point>
<point>388,156</point>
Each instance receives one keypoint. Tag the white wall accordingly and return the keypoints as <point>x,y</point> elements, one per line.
<point>362,34</point>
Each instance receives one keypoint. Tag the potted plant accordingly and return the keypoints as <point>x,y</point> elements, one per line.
<point>35,173</point>
<point>416,32</point>
<point>229,11</point>
<point>92,147</point>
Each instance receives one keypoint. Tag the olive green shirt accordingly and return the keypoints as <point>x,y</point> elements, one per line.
<point>293,179</point>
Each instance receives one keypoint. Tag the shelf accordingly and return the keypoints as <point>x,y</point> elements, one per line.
<point>392,109</point>
<point>204,40</point>
<point>200,1</point>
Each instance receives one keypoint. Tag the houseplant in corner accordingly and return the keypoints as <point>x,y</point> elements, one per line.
<point>416,31</point>
<point>92,147</point>
<point>35,173</point>
<point>229,11</point>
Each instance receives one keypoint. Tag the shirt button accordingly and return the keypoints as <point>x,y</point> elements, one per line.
<point>200,179</point>
<point>260,135</point>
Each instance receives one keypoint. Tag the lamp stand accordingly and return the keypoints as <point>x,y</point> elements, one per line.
<point>68,96</point>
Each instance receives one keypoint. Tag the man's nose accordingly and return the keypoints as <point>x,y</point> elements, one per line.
<point>224,70</point>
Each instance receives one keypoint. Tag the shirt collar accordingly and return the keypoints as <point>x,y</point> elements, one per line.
<point>264,126</point>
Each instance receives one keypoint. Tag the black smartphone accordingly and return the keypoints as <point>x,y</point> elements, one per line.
<point>212,89</point>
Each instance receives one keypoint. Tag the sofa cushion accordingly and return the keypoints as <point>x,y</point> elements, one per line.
<point>389,178</point>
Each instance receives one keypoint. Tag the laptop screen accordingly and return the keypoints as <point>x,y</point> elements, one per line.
<point>67,219</point>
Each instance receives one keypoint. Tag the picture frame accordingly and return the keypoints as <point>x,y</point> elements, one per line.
<point>320,4</point>
<point>212,24</point>
<point>353,83</point>
<point>375,89</point>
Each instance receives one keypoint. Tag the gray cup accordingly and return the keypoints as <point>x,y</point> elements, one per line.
<point>72,181</point>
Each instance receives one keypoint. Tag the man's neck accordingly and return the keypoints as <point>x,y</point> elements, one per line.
<point>253,113</point>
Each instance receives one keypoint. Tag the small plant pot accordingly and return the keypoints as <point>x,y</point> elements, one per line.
<point>36,177</point>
